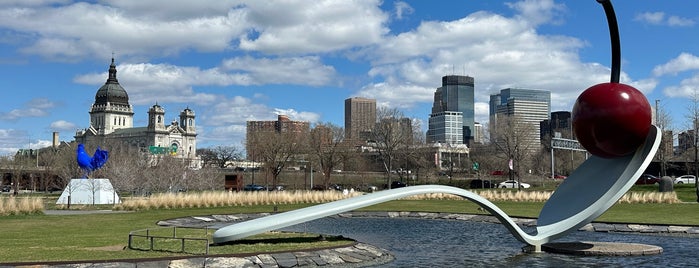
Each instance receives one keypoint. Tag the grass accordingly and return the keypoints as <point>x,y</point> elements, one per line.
<point>36,237</point>
<point>105,236</point>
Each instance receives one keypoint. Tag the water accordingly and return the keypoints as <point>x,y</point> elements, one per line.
<point>453,243</point>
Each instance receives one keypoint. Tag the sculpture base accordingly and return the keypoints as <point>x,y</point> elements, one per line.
<point>89,192</point>
<point>586,248</point>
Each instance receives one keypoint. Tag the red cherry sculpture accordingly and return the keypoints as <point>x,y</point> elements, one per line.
<point>611,119</point>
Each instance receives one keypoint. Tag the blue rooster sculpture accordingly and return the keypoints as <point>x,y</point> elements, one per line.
<point>90,163</point>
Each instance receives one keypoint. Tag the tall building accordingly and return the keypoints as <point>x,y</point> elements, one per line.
<point>528,106</point>
<point>282,125</point>
<point>478,137</point>
<point>456,95</point>
<point>111,118</point>
<point>446,127</point>
<point>360,118</point>
<point>560,125</point>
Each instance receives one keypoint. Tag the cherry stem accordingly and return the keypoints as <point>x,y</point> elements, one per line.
<point>614,36</point>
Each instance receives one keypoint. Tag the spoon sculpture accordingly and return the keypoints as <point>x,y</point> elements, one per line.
<point>587,193</point>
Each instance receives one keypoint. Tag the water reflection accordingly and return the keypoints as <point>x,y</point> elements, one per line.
<point>453,243</point>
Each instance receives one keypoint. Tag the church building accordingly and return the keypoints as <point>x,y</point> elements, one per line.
<point>111,118</point>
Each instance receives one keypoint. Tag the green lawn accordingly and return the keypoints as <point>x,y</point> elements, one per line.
<point>104,236</point>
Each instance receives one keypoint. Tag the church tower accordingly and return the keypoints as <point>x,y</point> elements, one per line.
<point>189,136</point>
<point>156,119</point>
<point>187,121</point>
<point>111,110</point>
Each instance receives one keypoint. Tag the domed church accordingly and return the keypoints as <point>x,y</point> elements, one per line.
<point>111,118</point>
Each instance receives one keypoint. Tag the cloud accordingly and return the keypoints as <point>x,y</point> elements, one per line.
<point>660,18</point>
<point>79,30</point>
<point>147,83</point>
<point>402,8</point>
<point>683,62</point>
<point>687,88</point>
<point>302,27</point>
<point>227,119</point>
<point>38,107</point>
<point>290,70</point>
<point>62,125</point>
<point>538,12</point>
<point>498,51</point>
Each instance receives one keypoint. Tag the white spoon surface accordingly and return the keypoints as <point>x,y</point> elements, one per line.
<point>584,195</point>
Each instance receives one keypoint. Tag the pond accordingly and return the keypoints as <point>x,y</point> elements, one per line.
<point>454,243</point>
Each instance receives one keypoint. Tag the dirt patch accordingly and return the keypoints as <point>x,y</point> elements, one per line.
<point>108,248</point>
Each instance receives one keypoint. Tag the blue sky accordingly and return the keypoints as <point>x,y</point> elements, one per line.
<point>234,61</point>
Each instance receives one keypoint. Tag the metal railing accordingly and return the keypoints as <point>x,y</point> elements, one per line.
<point>152,235</point>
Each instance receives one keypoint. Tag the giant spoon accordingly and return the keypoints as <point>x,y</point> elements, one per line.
<point>587,193</point>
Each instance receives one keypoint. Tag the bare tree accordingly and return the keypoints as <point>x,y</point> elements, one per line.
<point>516,140</point>
<point>276,149</point>
<point>328,148</point>
<point>220,156</point>
<point>663,120</point>
<point>693,119</point>
<point>393,132</point>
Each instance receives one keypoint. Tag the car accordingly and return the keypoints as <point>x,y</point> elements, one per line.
<point>647,179</point>
<point>6,188</point>
<point>367,188</point>
<point>513,184</point>
<point>254,187</point>
<point>480,184</point>
<point>498,173</point>
<point>396,184</point>
<point>559,177</point>
<point>686,179</point>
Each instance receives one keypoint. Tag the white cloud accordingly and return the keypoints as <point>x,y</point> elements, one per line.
<point>62,125</point>
<point>227,118</point>
<point>38,107</point>
<point>147,83</point>
<point>660,18</point>
<point>291,70</point>
<point>537,11</point>
<point>681,63</point>
<point>402,9</point>
<point>301,27</point>
<point>687,88</point>
<point>499,52</point>
<point>79,30</point>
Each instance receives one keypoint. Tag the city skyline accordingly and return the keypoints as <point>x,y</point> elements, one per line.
<point>236,61</point>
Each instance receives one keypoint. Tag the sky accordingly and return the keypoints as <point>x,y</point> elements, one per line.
<point>235,61</point>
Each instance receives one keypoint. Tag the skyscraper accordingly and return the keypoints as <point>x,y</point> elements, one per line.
<point>528,106</point>
<point>455,96</point>
<point>360,117</point>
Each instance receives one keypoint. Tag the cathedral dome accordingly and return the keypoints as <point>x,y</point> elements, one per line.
<point>111,91</point>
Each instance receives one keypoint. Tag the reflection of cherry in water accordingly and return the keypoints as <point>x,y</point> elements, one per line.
<point>611,119</point>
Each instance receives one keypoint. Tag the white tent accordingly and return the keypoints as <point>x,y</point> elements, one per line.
<point>89,192</point>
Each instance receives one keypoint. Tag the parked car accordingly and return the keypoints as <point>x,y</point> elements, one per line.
<point>513,184</point>
<point>254,187</point>
<point>647,179</point>
<point>480,184</point>
<point>685,179</point>
<point>6,188</point>
<point>367,188</point>
<point>318,188</point>
<point>395,184</point>
<point>559,177</point>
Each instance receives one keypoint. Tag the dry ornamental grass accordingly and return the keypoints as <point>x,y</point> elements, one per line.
<point>21,205</point>
<point>222,199</point>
